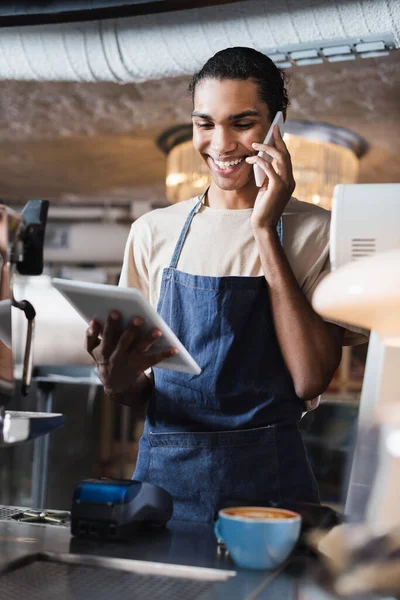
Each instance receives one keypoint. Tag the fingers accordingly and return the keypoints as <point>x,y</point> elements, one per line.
<point>131,335</point>
<point>148,340</point>
<point>283,160</point>
<point>265,166</point>
<point>92,339</point>
<point>278,141</point>
<point>153,359</point>
<point>134,338</point>
<point>111,334</point>
<point>135,344</point>
<point>271,150</point>
<point>274,180</point>
<point>285,167</point>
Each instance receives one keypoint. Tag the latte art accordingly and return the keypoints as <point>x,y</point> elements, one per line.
<point>259,513</point>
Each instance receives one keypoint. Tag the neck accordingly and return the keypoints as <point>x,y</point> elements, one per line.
<point>245,197</point>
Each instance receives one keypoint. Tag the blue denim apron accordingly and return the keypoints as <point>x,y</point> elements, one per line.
<point>229,434</point>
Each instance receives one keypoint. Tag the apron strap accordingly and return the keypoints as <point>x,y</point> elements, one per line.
<point>279,229</point>
<point>185,229</point>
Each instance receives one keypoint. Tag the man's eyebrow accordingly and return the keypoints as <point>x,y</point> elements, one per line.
<point>242,115</point>
<point>201,115</point>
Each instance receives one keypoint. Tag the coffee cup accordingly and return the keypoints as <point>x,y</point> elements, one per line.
<point>258,537</point>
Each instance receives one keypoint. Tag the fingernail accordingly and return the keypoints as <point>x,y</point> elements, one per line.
<point>254,144</point>
<point>156,334</point>
<point>90,331</point>
<point>174,351</point>
<point>138,321</point>
<point>114,315</point>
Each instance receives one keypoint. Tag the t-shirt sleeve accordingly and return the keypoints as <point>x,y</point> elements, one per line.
<point>316,266</point>
<point>135,271</point>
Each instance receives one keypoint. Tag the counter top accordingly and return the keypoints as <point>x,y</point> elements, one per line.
<point>180,543</point>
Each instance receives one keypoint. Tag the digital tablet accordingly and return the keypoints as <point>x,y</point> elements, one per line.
<point>96,301</point>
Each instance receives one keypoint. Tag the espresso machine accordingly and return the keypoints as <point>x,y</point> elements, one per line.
<point>21,251</point>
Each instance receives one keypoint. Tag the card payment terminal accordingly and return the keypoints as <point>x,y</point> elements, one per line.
<point>114,509</point>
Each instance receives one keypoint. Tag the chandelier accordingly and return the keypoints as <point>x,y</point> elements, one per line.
<point>323,155</point>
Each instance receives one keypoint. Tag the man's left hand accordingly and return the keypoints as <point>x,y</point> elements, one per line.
<point>278,186</point>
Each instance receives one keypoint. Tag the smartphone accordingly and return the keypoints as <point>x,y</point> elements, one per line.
<point>259,174</point>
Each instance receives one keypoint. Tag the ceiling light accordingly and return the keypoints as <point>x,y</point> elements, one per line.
<point>374,54</point>
<point>370,46</point>
<point>304,62</point>
<point>340,57</point>
<point>336,50</point>
<point>310,53</point>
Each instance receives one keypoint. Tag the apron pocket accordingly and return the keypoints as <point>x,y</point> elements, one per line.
<point>206,471</point>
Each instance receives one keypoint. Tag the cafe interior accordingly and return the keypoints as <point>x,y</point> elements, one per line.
<point>95,132</point>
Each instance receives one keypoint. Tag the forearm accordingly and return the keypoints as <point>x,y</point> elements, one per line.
<point>310,351</point>
<point>136,396</point>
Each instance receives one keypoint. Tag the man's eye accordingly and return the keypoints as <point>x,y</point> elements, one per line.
<point>204,125</point>
<point>244,125</point>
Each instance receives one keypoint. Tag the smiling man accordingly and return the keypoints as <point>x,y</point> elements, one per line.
<point>232,272</point>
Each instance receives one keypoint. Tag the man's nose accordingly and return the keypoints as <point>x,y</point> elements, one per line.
<point>222,141</point>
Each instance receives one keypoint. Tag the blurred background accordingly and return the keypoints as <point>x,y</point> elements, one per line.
<point>105,153</point>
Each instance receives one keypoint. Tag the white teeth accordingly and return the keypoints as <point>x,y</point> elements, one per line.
<point>226,165</point>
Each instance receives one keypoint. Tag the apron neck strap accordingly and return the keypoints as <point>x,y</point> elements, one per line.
<point>185,229</point>
<point>279,229</point>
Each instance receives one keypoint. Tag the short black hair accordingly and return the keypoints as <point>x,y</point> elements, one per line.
<point>247,63</point>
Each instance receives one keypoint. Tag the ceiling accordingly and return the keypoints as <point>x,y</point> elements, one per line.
<point>95,142</point>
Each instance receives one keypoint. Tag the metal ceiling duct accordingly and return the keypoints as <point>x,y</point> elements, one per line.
<point>140,48</point>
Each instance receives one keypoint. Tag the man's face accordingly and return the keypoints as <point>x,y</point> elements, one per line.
<point>228,117</point>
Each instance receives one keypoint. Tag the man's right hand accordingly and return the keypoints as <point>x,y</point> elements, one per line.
<point>120,355</point>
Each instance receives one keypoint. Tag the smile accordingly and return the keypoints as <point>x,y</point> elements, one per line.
<point>228,164</point>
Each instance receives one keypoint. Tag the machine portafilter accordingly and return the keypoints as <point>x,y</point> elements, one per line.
<point>21,250</point>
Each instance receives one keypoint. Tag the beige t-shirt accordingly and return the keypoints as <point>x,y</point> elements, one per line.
<point>220,243</point>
